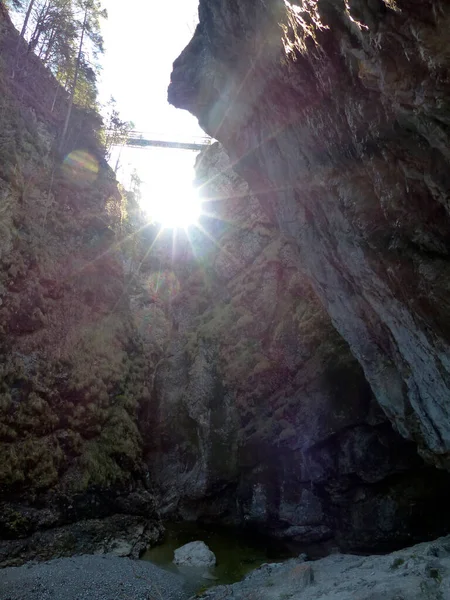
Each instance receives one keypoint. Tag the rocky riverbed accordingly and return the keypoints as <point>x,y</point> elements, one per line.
<point>421,572</point>
<point>91,578</point>
<point>418,573</point>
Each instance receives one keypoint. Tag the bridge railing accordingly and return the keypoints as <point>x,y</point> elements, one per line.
<point>141,139</point>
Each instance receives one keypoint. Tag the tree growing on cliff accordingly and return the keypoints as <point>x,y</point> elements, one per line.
<point>48,27</point>
<point>116,129</point>
<point>18,5</point>
<point>89,29</point>
<point>27,17</point>
<point>55,32</point>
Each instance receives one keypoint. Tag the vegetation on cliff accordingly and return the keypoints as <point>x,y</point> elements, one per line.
<point>73,376</point>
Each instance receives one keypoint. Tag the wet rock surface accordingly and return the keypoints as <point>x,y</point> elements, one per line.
<point>121,522</point>
<point>119,535</point>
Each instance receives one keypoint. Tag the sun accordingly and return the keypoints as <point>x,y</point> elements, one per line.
<point>173,204</point>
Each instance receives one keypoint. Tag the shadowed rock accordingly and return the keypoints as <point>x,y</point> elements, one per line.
<point>337,115</point>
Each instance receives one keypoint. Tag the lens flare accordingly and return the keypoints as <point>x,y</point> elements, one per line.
<point>162,286</point>
<point>81,166</point>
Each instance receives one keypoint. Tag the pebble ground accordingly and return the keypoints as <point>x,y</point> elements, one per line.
<point>91,578</point>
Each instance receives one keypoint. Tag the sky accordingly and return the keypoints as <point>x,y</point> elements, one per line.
<point>142,39</point>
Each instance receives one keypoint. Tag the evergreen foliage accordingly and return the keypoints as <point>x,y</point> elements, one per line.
<point>116,129</point>
<point>66,36</point>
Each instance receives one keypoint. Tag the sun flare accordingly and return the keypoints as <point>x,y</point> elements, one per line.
<point>173,205</point>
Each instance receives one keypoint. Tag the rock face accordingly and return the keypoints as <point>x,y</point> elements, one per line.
<point>119,535</point>
<point>263,415</point>
<point>337,114</point>
<point>73,372</point>
<point>240,378</point>
<point>419,573</point>
<point>194,554</point>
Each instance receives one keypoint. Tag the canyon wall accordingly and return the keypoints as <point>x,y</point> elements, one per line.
<point>337,115</point>
<point>261,414</point>
<point>73,373</point>
<point>281,366</point>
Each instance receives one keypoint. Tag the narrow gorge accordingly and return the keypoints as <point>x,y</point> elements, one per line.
<point>284,369</point>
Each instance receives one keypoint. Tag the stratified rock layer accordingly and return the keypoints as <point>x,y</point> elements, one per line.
<point>337,114</point>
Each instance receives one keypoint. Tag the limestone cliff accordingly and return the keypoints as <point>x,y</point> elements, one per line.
<point>263,415</point>
<point>337,114</point>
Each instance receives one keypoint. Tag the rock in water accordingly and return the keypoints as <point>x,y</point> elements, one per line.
<point>194,554</point>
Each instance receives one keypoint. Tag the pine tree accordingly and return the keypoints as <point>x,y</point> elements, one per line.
<point>65,35</point>
<point>14,4</point>
<point>27,18</point>
<point>116,130</point>
<point>90,28</point>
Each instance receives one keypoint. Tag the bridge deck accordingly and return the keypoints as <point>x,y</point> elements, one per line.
<point>140,143</point>
<point>142,139</point>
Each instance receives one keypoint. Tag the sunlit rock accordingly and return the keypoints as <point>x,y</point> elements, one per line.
<point>194,554</point>
<point>337,116</point>
<point>276,425</point>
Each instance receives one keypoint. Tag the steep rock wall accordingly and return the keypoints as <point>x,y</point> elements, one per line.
<point>263,416</point>
<point>73,372</point>
<point>337,115</point>
<point>221,365</point>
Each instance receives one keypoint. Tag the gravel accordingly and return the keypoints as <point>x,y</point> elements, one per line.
<point>103,577</point>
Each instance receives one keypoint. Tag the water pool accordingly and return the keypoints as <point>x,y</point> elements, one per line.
<point>237,552</point>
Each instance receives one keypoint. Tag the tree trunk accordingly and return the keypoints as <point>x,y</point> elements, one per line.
<point>27,18</point>
<point>40,26</point>
<point>74,85</point>
<point>54,98</point>
<point>22,35</point>
<point>49,46</point>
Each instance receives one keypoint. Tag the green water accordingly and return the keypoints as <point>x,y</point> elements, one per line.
<point>237,553</point>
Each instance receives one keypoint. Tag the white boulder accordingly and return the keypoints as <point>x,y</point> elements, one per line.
<point>194,554</point>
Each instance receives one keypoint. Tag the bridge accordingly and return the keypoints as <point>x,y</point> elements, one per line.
<point>141,139</point>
